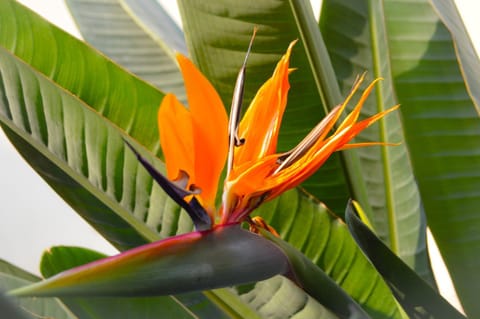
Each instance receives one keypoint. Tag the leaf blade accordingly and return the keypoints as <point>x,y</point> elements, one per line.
<point>117,28</point>
<point>415,295</point>
<point>430,84</point>
<point>323,238</point>
<point>393,195</point>
<point>12,277</point>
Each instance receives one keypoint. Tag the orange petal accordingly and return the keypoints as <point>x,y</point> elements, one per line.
<point>316,157</point>
<point>258,178</point>
<point>210,130</point>
<point>353,116</point>
<point>261,123</point>
<point>176,137</point>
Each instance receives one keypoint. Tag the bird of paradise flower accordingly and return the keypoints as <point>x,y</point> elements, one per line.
<point>198,143</point>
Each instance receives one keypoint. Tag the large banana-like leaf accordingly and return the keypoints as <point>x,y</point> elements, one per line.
<point>442,126</point>
<point>360,46</point>
<point>11,311</point>
<point>325,240</point>
<point>417,298</point>
<point>110,27</point>
<point>12,277</point>
<point>83,72</point>
<point>50,103</point>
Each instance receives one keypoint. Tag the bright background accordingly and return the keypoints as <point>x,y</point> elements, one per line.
<point>35,218</point>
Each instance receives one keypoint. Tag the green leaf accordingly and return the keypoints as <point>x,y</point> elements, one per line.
<point>12,277</point>
<point>60,258</point>
<point>56,114</point>
<point>8,268</point>
<point>316,283</point>
<point>9,310</point>
<point>157,23</point>
<point>83,72</point>
<point>442,128</point>
<point>279,297</point>
<point>119,30</point>
<point>393,195</point>
<point>418,299</point>
<point>309,227</point>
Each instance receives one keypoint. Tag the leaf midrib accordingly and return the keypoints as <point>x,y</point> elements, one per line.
<point>380,102</point>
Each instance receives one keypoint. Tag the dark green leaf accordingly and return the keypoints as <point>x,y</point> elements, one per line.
<point>279,297</point>
<point>317,284</point>
<point>418,299</point>
<point>324,239</point>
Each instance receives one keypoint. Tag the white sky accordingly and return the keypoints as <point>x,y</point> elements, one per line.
<point>38,218</point>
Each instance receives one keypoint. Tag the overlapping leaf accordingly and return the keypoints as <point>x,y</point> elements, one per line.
<point>442,127</point>
<point>418,299</point>
<point>360,46</point>
<point>13,277</point>
<point>325,240</point>
<point>110,27</point>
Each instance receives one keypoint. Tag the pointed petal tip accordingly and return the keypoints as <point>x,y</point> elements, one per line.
<point>290,46</point>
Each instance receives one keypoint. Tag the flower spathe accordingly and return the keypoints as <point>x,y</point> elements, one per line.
<point>196,142</point>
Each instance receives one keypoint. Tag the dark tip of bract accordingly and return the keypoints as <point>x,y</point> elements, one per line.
<point>197,213</point>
